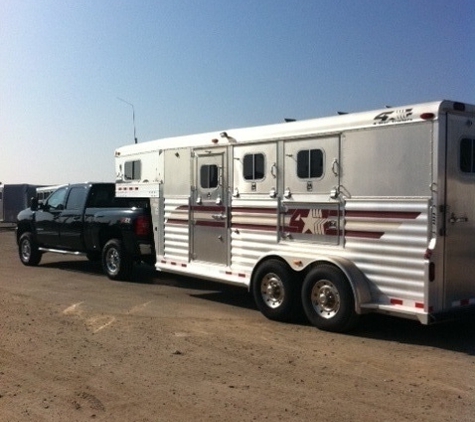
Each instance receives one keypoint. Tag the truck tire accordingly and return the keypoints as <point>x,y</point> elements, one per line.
<point>328,299</point>
<point>116,262</point>
<point>276,291</point>
<point>28,250</point>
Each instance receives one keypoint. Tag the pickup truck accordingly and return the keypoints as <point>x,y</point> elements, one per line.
<point>87,219</point>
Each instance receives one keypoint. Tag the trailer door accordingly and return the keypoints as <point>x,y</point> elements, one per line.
<point>310,198</point>
<point>209,207</point>
<point>460,211</point>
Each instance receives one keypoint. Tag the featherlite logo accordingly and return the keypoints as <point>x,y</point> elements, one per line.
<point>393,116</point>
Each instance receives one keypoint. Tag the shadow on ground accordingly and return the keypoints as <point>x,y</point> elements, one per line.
<point>456,336</point>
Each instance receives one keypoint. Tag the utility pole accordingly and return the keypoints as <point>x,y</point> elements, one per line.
<point>133,115</point>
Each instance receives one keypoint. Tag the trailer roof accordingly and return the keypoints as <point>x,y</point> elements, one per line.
<point>303,128</point>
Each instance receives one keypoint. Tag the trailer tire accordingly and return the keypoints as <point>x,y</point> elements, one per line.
<point>116,262</point>
<point>328,299</point>
<point>276,290</point>
<point>28,250</point>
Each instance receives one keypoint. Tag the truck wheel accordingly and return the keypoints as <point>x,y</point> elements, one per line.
<point>116,262</point>
<point>328,299</point>
<point>28,250</point>
<point>276,289</point>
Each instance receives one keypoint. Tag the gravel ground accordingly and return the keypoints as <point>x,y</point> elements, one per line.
<point>76,346</point>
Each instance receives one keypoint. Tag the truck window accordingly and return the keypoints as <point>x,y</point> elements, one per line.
<point>101,197</point>
<point>253,166</point>
<point>310,164</point>
<point>132,170</point>
<point>76,198</point>
<point>467,155</point>
<point>209,176</point>
<point>56,200</point>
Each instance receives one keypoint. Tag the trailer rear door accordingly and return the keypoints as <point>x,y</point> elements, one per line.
<point>460,211</point>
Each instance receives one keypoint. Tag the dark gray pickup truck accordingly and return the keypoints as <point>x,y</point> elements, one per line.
<point>87,219</point>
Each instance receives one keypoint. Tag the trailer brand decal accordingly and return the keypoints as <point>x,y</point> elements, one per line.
<point>393,116</point>
<point>313,221</point>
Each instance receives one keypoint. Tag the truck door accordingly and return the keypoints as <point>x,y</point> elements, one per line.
<point>209,208</point>
<point>311,208</point>
<point>47,218</point>
<point>71,219</point>
<point>460,210</point>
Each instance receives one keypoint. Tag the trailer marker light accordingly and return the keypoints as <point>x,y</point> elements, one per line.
<point>427,116</point>
<point>396,302</point>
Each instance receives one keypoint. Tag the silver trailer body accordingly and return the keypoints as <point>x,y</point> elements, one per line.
<point>385,197</point>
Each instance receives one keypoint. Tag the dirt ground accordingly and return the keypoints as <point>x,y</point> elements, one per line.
<point>75,346</point>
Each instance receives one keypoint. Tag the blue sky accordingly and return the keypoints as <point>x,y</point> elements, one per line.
<point>197,66</point>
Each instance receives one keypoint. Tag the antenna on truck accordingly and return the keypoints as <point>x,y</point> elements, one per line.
<point>133,115</point>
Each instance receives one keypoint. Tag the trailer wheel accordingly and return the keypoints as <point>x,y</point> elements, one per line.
<point>28,250</point>
<point>276,291</point>
<point>328,299</point>
<point>116,262</point>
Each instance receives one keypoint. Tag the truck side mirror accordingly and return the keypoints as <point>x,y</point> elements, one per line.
<point>34,203</point>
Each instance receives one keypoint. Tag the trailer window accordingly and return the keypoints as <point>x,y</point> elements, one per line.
<point>132,170</point>
<point>467,155</point>
<point>310,163</point>
<point>253,167</point>
<point>209,176</point>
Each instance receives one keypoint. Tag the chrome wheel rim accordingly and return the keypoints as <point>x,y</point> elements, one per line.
<point>113,260</point>
<point>272,290</point>
<point>25,251</point>
<point>325,299</point>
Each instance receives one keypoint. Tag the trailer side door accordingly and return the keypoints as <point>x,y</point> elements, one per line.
<point>209,207</point>
<point>311,208</point>
<point>460,211</point>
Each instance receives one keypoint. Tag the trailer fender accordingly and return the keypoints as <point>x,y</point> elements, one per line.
<point>357,280</point>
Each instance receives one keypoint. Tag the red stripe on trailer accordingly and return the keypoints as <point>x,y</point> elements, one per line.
<point>406,215</point>
<point>364,234</point>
